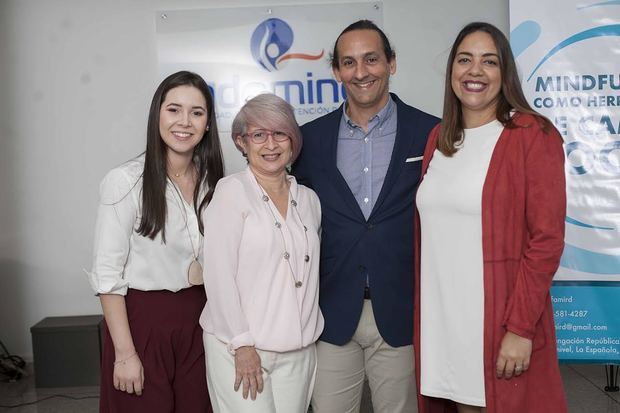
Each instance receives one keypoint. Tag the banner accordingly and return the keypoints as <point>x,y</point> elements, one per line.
<point>587,323</point>
<point>244,51</point>
<point>567,53</point>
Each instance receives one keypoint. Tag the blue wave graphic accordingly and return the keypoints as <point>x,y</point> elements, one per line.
<point>605,161</point>
<point>610,30</point>
<point>576,258</point>
<point>584,225</point>
<point>523,36</point>
<point>604,3</point>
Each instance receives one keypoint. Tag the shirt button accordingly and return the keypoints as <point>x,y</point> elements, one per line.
<point>366,200</point>
<point>365,169</point>
<point>366,139</point>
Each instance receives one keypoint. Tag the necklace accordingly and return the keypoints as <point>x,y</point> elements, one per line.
<point>194,271</point>
<point>180,174</point>
<point>286,255</point>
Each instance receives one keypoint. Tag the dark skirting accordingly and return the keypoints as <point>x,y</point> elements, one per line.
<point>168,339</point>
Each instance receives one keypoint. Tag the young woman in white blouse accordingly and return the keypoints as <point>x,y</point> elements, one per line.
<point>262,271</point>
<point>147,263</point>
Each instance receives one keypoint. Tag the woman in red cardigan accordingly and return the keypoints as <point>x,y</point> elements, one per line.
<point>490,223</point>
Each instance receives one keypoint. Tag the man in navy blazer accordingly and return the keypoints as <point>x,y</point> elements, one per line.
<point>363,160</point>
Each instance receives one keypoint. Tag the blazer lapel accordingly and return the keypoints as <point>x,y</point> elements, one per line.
<point>329,143</point>
<point>404,139</point>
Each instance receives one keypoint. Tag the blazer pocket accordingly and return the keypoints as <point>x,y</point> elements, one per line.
<point>413,163</point>
<point>414,159</point>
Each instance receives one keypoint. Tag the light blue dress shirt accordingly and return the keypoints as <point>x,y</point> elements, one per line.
<point>363,158</point>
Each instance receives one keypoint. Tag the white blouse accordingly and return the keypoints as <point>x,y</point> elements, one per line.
<point>251,288</point>
<point>124,259</point>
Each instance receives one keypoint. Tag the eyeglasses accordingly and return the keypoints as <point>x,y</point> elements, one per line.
<point>260,135</point>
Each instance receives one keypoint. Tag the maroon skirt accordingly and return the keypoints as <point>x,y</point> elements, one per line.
<point>168,339</point>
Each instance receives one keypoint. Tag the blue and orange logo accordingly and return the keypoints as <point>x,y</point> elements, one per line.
<point>270,42</point>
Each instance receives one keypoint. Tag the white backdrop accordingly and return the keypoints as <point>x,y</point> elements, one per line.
<point>76,78</point>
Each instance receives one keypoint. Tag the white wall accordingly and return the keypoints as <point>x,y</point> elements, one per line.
<point>76,79</point>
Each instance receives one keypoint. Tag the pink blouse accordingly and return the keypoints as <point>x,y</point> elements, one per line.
<point>261,270</point>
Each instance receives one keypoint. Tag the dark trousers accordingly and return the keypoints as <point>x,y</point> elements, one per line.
<point>165,330</point>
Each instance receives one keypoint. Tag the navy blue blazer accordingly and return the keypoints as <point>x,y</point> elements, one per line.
<point>352,246</point>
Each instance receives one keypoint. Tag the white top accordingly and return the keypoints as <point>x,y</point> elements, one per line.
<point>122,258</point>
<point>452,291</point>
<point>252,298</point>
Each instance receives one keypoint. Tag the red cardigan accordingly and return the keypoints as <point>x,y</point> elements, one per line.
<point>523,210</point>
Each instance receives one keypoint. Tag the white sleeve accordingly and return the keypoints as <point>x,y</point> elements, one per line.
<point>115,223</point>
<point>223,226</point>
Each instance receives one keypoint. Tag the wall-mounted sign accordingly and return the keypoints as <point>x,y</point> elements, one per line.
<point>244,51</point>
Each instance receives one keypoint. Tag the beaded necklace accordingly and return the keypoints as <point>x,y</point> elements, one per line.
<point>286,255</point>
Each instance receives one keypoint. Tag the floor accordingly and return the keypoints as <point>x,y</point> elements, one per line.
<point>583,383</point>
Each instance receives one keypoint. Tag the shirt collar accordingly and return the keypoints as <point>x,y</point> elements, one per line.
<point>383,115</point>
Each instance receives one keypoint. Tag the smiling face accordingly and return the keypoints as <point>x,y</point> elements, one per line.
<point>476,78</point>
<point>183,119</point>
<point>364,70</point>
<point>268,158</point>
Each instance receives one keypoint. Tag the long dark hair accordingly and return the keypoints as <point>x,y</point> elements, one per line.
<point>510,96</point>
<point>207,159</point>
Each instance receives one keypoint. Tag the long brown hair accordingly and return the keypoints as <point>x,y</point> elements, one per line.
<point>207,158</point>
<point>510,96</point>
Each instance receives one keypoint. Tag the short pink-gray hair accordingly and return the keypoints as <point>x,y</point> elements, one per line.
<point>268,111</point>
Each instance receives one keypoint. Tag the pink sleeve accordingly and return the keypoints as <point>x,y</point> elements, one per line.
<point>223,228</point>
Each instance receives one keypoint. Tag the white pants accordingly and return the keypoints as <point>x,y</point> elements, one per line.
<point>341,371</point>
<point>288,380</point>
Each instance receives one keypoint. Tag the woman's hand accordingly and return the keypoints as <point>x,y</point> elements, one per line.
<point>128,374</point>
<point>514,356</point>
<point>248,371</point>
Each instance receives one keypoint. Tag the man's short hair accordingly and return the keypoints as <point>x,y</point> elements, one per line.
<point>363,25</point>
